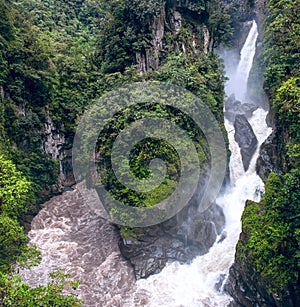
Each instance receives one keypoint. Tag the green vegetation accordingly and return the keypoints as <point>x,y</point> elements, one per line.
<point>58,56</point>
<point>15,293</point>
<point>282,44</point>
<point>127,29</point>
<point>25,88</point>
<point>201,74</point>
<point>273,231</point>
<point>148,149</point>
<point>220,23</point>
<point>15,194</point>
<point>272,227</point>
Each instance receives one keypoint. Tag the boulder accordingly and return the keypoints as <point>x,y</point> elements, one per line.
<point>182,238</point>
<point>235,107</point>
<point>269,160</point>
<point>245,138</point>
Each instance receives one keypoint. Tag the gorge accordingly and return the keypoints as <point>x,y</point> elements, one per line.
<point>71,239</point>
<point>239,58</point>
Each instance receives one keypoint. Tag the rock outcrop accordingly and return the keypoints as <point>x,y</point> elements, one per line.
<point>247,286</point>
<point>57,146</point>
<point>182,238</point>
<point>172,17</point>
<point>234,107</point>
<point>268,160</point>
<point>246,139</point>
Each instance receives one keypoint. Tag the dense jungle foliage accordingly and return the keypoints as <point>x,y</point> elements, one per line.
<point>272,227</point>
<point>58,56</point>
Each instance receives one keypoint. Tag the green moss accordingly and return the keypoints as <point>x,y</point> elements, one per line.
<point>132,233</point>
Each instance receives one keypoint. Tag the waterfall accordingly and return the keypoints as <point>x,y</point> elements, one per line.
<point>245,64</point>
<point>200,283</point>
<point>72,238</point>
<point>241,75</point>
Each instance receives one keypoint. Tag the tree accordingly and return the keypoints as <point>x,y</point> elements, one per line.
<point>15,190</point>
<point>219,24</point>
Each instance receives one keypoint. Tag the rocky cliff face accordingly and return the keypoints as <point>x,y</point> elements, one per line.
<point>246,286</point>
<point>56,145</point>
<point>178,239</point>
<point>167,33</point>
<point>269,160</point>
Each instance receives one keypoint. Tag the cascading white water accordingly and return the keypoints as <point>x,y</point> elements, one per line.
<point>193,285</point>
<point>238,81</point>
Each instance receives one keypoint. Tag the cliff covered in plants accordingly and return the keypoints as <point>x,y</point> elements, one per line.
<point>266,269</point>
<point>56,57</point>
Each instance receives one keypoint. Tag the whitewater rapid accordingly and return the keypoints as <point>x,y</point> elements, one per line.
<point>200,283</point>
<point>193,285</point>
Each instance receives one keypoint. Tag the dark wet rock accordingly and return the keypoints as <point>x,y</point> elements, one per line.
<point>269,160</point>
<point>67,189</point>
<point>201,229</point>
<point>182,238</point>
<point>247,287</point>
<point>235,107</point>
<point>67,175</point>
<point>246,139</point>
<point>223,237</point>
<point>149,255</point>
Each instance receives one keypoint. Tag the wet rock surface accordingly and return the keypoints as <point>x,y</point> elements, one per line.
<point>246,139</point>
<point>181,238</point>
<point>235,107</point>
<point>247,293</point>
<point>269,159</point>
